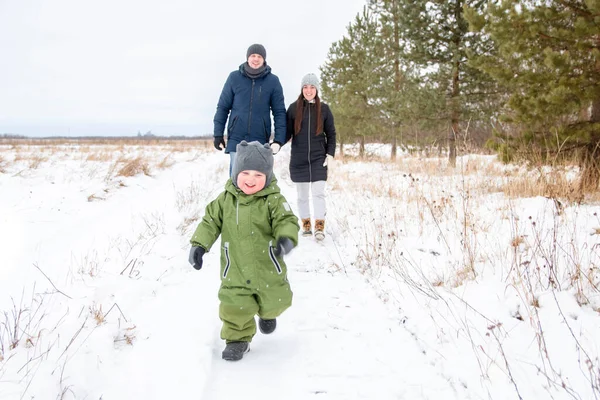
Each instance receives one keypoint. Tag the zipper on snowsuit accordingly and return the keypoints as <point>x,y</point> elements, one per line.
<point>274,258</point>
<point>227,260</point>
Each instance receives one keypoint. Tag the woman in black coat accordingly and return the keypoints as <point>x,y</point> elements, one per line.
<point>311,128</point>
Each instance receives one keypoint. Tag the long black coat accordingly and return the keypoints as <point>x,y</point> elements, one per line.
<point>309,150</point>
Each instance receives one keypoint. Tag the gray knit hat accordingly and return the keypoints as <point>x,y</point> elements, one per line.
<point>310,79</point>
<point>253,156</point>
<point>256,49</point>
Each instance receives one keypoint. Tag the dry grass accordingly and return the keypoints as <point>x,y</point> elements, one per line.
<point>97,314</point>
<point>126,336</point>
<point>94,197</point>
<point>133,167</point>
<point>183,227</point>
<point>553,186</point>
<point>517,241</point>
<point>100,156</point>
<point>36,160</point>
<point>34,152</point>
<point>556,182</point>
<point>3,164</point>
<point>166,162</point>
<point>462,275</point>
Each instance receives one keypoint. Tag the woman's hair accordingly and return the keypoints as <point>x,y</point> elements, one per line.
<point>300,112</point>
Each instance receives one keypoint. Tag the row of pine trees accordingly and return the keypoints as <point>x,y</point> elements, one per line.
<point>518,76</point>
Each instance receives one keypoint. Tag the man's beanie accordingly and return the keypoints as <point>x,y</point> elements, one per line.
<point>253,156</point>
<point>256,49</point>
<point>310,79</point>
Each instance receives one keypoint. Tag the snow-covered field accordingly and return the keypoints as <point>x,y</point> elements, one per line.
<point>431,283</point>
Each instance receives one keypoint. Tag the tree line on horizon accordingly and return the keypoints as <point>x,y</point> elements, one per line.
<point>139,136</point>
<point>519,77</point>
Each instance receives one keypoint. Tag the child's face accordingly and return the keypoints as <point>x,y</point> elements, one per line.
<point>250,181</point>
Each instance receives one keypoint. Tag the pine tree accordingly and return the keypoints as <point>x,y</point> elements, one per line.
<point>549,55</point>
<point>435,38</point>
<point>348,76</point>
<point>407,103</point>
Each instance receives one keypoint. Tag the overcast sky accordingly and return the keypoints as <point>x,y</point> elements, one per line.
<point>75,67</point>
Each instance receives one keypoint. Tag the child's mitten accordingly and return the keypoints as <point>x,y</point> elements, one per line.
<point>195,258</point>
<point>283,247</point>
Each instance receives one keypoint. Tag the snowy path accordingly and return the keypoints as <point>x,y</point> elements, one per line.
<point>337,341</point>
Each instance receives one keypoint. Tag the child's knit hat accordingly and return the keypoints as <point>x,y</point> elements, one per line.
<point>310,79</point>
<point>253,156</point>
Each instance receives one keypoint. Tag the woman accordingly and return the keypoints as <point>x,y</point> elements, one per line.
<point>311,128</point>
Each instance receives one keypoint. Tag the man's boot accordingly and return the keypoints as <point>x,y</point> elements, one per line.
<point>306,227</point>
<point>319,229</point>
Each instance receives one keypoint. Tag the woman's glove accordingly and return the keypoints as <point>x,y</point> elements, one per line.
<point>275,147</point>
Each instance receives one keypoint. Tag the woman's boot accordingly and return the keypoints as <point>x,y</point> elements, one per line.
<point>306,227</point>
<point>319,229</point>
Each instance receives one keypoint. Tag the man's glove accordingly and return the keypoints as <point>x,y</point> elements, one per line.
<point>327,158</point>
<point>275,146</point>
<point>195,258</point>
<point>219,140</point>
<point>283,247</point>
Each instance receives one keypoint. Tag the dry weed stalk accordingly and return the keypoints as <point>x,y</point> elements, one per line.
<point>94,197</point>
<point>97,314</point>
<point>22,324</point>
<point>189,197</point>
<point>141,245</point>
<point>127,336</point>
<point>89,264</point>
<point>183,227</point>
<point>166,162</point>
<point>36,160</point>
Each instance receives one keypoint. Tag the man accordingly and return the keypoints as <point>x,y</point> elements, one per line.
<point>249,96</point>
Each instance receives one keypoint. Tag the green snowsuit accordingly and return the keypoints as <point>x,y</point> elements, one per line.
<point>253,280</point>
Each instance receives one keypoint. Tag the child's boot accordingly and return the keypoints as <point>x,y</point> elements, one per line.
<point>306,227</point>
<point>319,229</point>
<point>234,351</point>
<point>267,326</point>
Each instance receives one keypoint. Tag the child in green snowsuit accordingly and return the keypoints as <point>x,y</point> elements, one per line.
<point>257,228</point>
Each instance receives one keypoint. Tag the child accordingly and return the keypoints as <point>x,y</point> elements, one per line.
<point>257,228</point>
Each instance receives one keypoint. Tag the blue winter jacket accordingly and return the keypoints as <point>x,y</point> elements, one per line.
<point>248,103</point>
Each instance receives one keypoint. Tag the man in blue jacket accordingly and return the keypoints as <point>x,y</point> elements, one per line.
<point>251,93</point>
